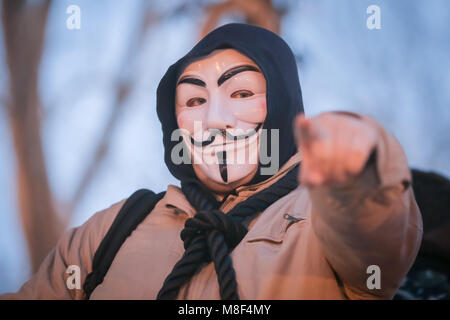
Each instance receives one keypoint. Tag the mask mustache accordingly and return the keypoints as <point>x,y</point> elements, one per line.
<point>224,134</point>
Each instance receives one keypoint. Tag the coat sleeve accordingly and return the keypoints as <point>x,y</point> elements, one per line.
<point>76,248</point>
<point>372,221</point>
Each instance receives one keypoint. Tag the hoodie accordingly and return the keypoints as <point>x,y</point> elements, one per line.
<point>284,97</point>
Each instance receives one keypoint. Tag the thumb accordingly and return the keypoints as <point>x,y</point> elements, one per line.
<point>306,132</point>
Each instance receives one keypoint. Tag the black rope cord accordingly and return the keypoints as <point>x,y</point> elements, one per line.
<point>211,235</point>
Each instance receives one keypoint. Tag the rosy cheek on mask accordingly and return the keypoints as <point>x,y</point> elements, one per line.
<point>188,117</point>
<point>253,110</point>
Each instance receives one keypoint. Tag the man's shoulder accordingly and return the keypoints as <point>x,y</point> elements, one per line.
<point>93,230</point>
<point>103,219</point>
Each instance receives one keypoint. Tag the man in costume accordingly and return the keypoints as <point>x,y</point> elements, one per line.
<point>333,203</point>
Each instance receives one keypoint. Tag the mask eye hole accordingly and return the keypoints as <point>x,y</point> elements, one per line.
<point>194,102</point>
<point>241,94</point>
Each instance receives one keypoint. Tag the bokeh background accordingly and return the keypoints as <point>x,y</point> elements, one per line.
<point>78,124</point>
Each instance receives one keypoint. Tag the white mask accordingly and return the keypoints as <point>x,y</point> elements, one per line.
<point>218,97</point>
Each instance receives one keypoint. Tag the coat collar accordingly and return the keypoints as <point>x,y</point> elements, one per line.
<point>175,198</point>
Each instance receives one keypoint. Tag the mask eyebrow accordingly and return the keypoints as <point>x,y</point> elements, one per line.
<point>233,71</point>
<point>193,81</point>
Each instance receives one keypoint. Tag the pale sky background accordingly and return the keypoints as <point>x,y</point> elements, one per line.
<point>399,75</point>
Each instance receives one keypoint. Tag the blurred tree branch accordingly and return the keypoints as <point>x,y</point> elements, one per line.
<point>257,12</point>
<point>124,86</point>
<point>24,30</point>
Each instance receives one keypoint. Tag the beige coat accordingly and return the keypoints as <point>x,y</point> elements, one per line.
<point>325,255</point>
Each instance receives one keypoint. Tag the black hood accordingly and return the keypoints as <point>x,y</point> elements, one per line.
<point>276,61</point>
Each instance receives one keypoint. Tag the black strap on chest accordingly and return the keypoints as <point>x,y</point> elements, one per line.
<point>133,212</point>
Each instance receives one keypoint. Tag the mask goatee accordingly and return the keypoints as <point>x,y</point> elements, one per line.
<point>222,158</point>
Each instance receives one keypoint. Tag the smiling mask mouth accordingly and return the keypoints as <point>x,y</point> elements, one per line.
<point>225,134</point>
<point>222,155</point>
